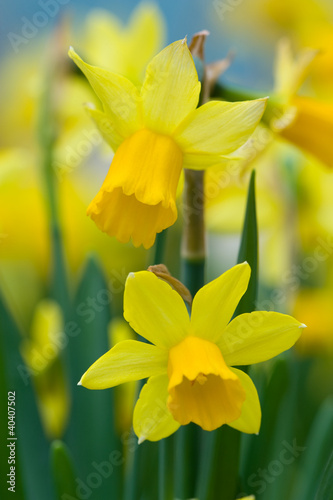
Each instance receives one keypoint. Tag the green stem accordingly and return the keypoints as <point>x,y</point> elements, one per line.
<point>159,248</point>
<point>193,242</point>
<point>47,138</point>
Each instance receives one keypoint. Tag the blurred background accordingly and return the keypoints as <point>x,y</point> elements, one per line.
<point>62,281</point>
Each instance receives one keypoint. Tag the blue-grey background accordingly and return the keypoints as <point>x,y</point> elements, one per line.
<point>252,66</point>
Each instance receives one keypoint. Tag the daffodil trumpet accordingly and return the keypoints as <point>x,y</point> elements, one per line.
<point>190,361</point>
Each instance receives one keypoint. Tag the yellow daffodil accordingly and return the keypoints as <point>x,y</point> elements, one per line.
<point>190,361</point>
<point>312,128</point>
<point>315,305</point>
<point>304,121</point>
<point>155,132</point>
<point>124,49</point>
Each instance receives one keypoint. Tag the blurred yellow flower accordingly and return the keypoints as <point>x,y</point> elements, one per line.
<point>41,354</point>
<point>315,306</point>
<point>156,132</point>
<point>190,364</point>
<point>25,249</point>
<point>304,121</point>
<point>123,49</point>
<point>312,128</point>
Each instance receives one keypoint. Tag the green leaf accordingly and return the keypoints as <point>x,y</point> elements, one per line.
<point>91,434</point>
<point>256,449</point>
<point>63,471</point>
<point>325,491</point>
<point>32,448</point>
<point>318,448</point>
<point>248,250</point>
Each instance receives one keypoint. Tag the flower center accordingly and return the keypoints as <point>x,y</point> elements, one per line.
<point>202,388</point>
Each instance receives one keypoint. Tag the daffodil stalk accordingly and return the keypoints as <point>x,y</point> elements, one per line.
<point>47,134</point>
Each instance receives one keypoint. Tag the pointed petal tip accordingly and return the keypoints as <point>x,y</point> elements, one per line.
<point>89,105</point>
<point>184,40</point>
<point>141,439</point>
<point>131,276</point>
<point>80,381</point>
<point>302,325</point>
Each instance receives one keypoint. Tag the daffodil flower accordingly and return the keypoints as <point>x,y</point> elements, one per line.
<point>156,131</point>
<point>304,121</point>
<point>189,362</point>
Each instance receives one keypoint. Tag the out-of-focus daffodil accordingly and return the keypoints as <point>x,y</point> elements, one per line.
<point>225,194</point>
<point>312,128</point>
<point>315,306</point>
<point>41,354</point>
<point>156,132</point>
<point>25,250</point>
<point>123,49</point>
<point>304,121</point>
<point>190,364</point>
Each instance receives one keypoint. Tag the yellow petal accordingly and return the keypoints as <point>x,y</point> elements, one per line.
<point>171,88</point>
<point>106,127</point>
<point>218,128</point>
<point>289,71</point>
<point>126,361</point>
<point>151,419</point>
<point>145,34</point>
<point>250,418</point>
<point>202,389</point>
<point>215,303</point>
<point>138,196</point>
<point>258,336</point>
<point>154,310</point>
<point>120,98</point>
<point>312,128</point>
<point>124,49</point>
<point>101,37</point>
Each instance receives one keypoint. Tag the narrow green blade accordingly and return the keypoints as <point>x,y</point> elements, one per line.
<point>63,471</point>
<point>325,491</point>
<point>32,448</point>
<point>91,434</point>
<point>248,250</point>
<point>317,450</point>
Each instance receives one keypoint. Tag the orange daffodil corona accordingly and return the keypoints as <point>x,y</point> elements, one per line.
<point>156,131</point>
<point>189,362</point>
